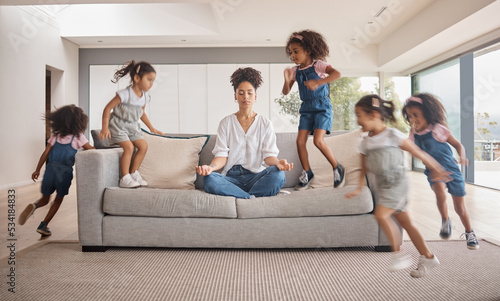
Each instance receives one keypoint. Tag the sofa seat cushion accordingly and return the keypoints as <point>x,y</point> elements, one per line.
<point>167,203</point>
<point>307,203</point>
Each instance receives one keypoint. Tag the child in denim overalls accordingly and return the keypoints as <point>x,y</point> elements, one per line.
<point>307,49</point>
<point>120,120</point>
<point>426,115</point>
<point>68,124</point>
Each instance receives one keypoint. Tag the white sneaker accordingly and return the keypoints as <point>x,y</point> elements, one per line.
<point>137,177</point>
<point>400,261</point>
<point>424,266</point>
<point>128,182</point>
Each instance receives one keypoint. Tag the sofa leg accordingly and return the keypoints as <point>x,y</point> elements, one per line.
<point>93,249</point>
<point>383,248</point>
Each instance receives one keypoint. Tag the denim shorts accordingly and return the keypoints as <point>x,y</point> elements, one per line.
<point>316,114</point>
<point>456,187</point>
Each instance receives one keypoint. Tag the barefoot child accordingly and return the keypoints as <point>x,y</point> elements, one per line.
<point>307,49</point>
<point>381,155</point>
<point>68,124</point>
<point>426,115</point>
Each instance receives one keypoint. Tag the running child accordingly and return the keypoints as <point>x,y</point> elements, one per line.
<point>68,124</point>
<point>120,120</point>
<point>429,131</point>
<point>308,49</point>
<point>382,155</point>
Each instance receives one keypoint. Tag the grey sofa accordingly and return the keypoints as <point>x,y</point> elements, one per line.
<point>109,216</point>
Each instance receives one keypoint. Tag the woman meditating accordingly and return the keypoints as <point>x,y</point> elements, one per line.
<point>245,147</point>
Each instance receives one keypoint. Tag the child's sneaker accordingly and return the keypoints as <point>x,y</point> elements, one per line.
<point>128,182</point>
<point>424,266</point>
<point>137,177</point>
<point>43,229</point>
<point>338,176</point>
<point>399,261</point>
<point>305,180</point>
<point>27,212</point>
<point>445,232</point>
<point>472,242</point>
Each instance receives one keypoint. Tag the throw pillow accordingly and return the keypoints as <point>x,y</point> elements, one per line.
<point>345,149</point>
<point>170,162</point>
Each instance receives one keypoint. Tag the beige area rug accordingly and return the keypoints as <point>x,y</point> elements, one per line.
<point>60,271</point>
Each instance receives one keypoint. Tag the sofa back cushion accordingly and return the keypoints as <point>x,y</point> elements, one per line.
<point>170,162</point>
<point>347,145</point>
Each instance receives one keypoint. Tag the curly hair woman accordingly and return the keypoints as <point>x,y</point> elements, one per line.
<point>245,141</point>
<point>307,49</point>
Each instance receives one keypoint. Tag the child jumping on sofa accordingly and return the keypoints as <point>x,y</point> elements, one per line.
<point>307,49</point>
<point>68,124</point>
<point>381,155</point>
<point>120,120</point>
<point>426,115</point>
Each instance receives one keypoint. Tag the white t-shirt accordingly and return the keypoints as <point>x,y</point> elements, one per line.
<point>246,149</point>
<point>389,137</point>
<point>128,96</point>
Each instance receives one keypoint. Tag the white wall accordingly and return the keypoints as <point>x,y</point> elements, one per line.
<point>29,43</point>
<point>192,98</point>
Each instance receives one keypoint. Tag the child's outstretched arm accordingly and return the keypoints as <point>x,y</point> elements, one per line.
<point>43,159</point>
<point>105,134</point>
<point>460,149</point>
<point>333,75</point>
<point>287,86</point>
<point>87,146</point>
<point>438,173</point>
<point>361,181</point>
<point>146,121</point>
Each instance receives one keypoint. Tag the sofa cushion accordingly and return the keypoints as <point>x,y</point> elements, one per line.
<point>345,149</point>
<point>167,203</point>
<point>170,162</point>
<point>310,202</point>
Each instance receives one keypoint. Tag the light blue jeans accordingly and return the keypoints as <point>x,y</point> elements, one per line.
<point>244,184</point>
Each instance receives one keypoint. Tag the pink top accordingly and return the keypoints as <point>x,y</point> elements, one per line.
<point>320,68</point>
<point>439,132</point>
<point>78,142</point>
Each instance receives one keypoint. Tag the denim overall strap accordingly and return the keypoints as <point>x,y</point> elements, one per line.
<point>62,155</point>
<point>302,76</point>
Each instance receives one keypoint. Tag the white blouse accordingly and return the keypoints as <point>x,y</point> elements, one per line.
<point>246,149</point>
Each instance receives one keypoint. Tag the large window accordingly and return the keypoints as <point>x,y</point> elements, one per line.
<point>487,117</point>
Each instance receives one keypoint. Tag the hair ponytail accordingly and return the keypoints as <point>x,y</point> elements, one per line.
<point>373,102</point>
<point>132,68</point>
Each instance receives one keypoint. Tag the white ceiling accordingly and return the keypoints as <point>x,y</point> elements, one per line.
<point>407,33</point>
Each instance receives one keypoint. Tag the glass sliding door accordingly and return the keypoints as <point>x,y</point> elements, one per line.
<point>487,117</point>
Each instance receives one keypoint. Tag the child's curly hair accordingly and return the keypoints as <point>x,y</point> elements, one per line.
<point>373,102</point>
<point>311,41</point>
<point>132,68</point>
<point>246,75</point>
<point>432,109</point>
<point>68,120</point>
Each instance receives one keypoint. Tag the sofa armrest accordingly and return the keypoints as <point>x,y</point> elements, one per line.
<point>95,171</point>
